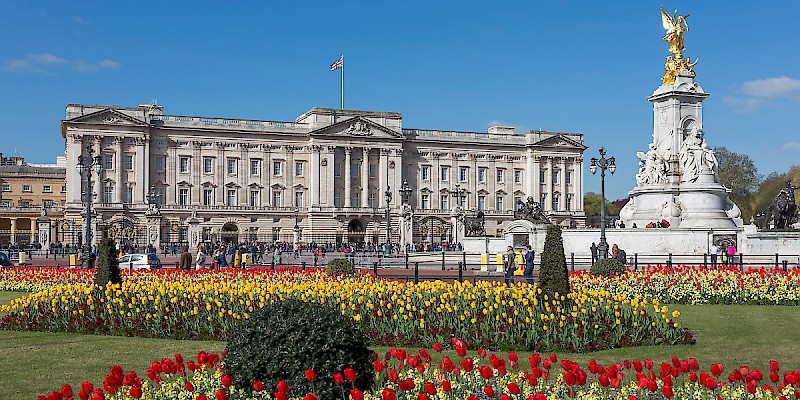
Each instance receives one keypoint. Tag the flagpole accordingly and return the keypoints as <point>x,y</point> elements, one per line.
<point>342,60</point>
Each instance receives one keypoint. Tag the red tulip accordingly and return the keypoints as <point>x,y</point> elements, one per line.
<point>311,375</point>
<point>350,374</point>
<point>221,395</point>
<point>258,386</point>
<point>423,396</point>
<point>711,383</point>
<point>717,369</point>
<point>487,390</point>
<point>189,387</point>
<point>357,394</point>
<point>513,388</point>
<point>773,365</point>
<point>201,396</point>
<point>667,391</point>
<point>393,377</point>
<point>438,347</point>
<point>338,378</point>
<point>446,387</point>
<point>135,392</point>
<point>311,396</point>
<point>388,394</point>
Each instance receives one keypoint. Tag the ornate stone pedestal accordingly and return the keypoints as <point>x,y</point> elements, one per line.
<point>154,231</point>
<point>678,180</point>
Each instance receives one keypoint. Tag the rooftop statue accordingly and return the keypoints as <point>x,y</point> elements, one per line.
<point>675,26</point>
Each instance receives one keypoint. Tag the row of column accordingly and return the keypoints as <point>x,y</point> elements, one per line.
<point>534,185</point>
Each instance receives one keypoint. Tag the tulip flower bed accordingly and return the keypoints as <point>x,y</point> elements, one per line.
<point>207,305</point>
<point>405,376</point>
<point>687,284</point>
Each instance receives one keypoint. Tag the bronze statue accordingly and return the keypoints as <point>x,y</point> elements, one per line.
<point>782,212</point>
<point>475,226</point>
<point>530,210</point>
<point>675,25</point>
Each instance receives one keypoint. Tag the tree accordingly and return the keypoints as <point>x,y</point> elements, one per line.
<point>738,173</point>
<point>553,275</point>
<point>762,198</point>
<point>107,264</point>
<point>591,204</point>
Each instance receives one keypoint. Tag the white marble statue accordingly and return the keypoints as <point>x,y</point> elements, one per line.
<point>695,157</point>
<point>652,167</point>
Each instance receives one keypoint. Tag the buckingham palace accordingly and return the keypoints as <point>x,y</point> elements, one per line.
<point>324,177</point>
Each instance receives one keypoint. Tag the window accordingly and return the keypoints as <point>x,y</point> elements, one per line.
<point>4,204</point>
<point>445,174</point>
<point>354,199</point>
<point>517,201</point>
<point>108,194</point>
<point>444,202</point>
<point>426,201</point>
<point>63,188</point>
<point>426,172</point>
<point>337,170</point>
<point>482,175</point>
<point>372,168</point>
<point>543,200</point>
<point>232,166</point>
<point>500,203</point>
<point>298,199</point>
<point>255,167</point>
<point>541,176</point>
<point>568,178</point>
<point>129,162</point>
<point>255,198</point>
<point>25,203</point>
<point>208,165</point>
<point>355,170</point>
<point>208,197</point>
<point>501,175</point>
<point>569,202</point>
<point>6,187</point>
<point>129,195</point>
<point>555,202</point>
<point>463,173</point>
<point>183,165</point>
<point>26,188</point>
<point>371,200</point>
<point>161,164</point>
<point>277,198</point>
<point>276,168</point>
<point>49,203</point>
<point>337,200</point>
<point>47,189</point>
<point>160,196</point>
<point>230,198</point>
<point>555,177</point>
<point>481,203</point>
<point>517,176</point>
<point>298,168</point>
<point>108,161</point>
<point>183,196</point>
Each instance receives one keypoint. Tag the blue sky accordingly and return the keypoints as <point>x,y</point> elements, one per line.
<point>557,65</point>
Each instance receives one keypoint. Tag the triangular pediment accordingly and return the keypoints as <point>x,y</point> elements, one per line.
<point>358,127</point>
<point>560,141</point>
<point>108,117</point>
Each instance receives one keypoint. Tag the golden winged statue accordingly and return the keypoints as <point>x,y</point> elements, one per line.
<point>675,25</point>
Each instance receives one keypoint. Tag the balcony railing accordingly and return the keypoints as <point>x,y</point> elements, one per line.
<point>236,123</point>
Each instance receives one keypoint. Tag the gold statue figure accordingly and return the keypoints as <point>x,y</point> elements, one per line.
<point>675,26</point>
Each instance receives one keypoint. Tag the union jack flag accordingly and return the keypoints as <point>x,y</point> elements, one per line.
<point>338,64</point>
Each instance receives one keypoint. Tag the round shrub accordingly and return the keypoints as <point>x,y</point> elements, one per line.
<point>107,270</point>
<point>285,338</point>
<point>607,267</point>
<point>340,266</point>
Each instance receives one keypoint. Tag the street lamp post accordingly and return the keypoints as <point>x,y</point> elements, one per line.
<point>604,164</point>
<point>388,197</point>
<point>458,193</point>
<point>87,164</point>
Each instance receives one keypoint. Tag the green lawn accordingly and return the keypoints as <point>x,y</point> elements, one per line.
<point>36,363</point>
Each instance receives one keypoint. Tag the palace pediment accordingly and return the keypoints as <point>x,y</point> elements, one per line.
<point>560,141</point>
<point>108,117</point>
<point>358,127</point>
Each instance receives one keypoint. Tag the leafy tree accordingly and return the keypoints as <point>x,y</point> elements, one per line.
<point>553,276</point>
<point>762,198</point>
<point>592,201</point>
<point>107,264</point>
<point>738,173</point>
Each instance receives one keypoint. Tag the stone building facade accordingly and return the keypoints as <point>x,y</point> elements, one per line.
<point>322,177</point>
<point>31,195</point>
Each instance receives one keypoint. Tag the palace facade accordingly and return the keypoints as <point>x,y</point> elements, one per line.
<point>324,176</point>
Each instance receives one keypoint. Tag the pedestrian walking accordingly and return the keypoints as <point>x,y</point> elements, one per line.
<point>511,266</point>
<point>713,250</point>
<point>593,249</point>
<point>186,259</point>
<point>200,261</point>
<point>528,274</point>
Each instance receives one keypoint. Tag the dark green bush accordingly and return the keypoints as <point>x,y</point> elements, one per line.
<point>553,275</point>
<point>283,339</point>
<point>107,264</point>
<point>607,267</point>
<point>340,266</point>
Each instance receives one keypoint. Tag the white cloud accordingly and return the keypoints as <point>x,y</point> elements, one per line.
<point>773,87</point>
<point>791,146</point>
<point>83,66</point>
<point>764,93</point>
<point>49,64</point>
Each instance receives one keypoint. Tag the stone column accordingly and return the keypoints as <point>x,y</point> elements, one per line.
<point>398,177</point>
<point>330,177</point>
<point>314,181</point>
<point>43,225</point>
<point>139,169</point>
<point>74,181</point>
<point>219,198</point>
<point>289,177</point>
<point>266,176</point>
<point>537,186</point>
<point>530,183</point>
<point>548,185</point>
<point>154,230</point>
<point>172,180</point>
<point>118,141</point>
<point>562,204</point>
<point>196,171</point>
<point>383,175</point>
<point>348,180</point>
<point>578,185</point>
<point>97,144</point>
<point>13,230</point>
<point>144,187</point>
<point>365,178</point>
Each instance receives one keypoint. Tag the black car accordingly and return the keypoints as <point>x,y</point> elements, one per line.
<point>5,261</point>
